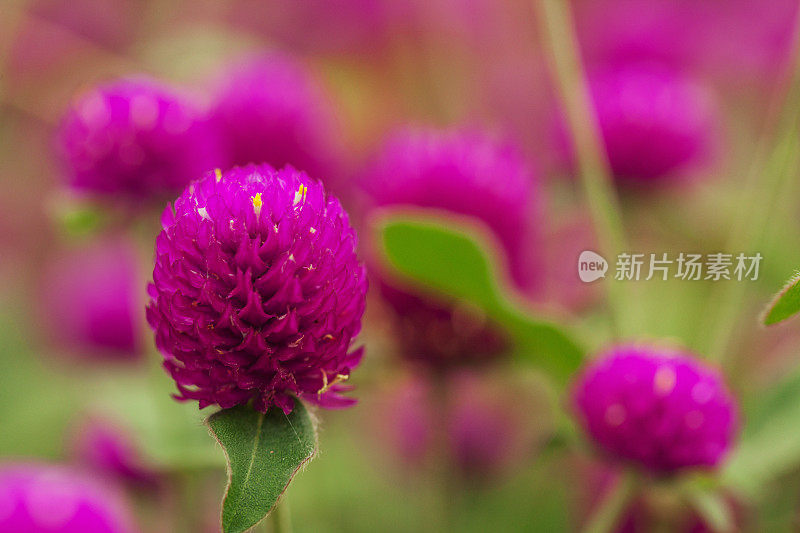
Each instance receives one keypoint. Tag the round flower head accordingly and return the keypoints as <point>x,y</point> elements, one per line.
<point>655,122</point>
<point>257,291</point>
<point>467,174</point>
<point>90,300</point>
<point>270,109</point>
<point>135,139</point>
<point>38,498</point>
<point>657,407</point>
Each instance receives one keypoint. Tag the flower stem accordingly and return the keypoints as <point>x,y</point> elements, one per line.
<point>280,518</point>
<point>774,165</point>
<point>561,43</point>
<point>608,514</point>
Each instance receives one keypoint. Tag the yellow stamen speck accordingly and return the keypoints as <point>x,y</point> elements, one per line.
<point>257,203</point>
<point>218,174</point>
<point>300,195</point>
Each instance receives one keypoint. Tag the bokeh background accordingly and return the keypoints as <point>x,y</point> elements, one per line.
<point>687,95</point>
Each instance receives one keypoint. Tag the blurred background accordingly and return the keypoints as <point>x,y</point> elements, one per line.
<point>442,105</point>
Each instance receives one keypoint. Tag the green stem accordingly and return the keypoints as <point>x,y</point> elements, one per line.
<point>595,173</point>
<point>768,180</point>
<point>607,516</point>
<point>280,519</point>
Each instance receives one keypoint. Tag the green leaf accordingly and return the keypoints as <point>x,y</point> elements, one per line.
<point>264,452</point>
<point>462,263</point>
<point>785,304</point>
<point>768,448</point>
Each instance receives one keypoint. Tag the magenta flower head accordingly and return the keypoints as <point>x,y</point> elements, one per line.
<point>271,109</point>
<point>38,498</point>
<point>257,292</point>
<point>135,139</point>
<point>467,174</point>
<point>657,407</point>
<point>90,300</point>
<point>655,122</point>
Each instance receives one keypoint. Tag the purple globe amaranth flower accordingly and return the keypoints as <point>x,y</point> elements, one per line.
<point>90,299</point>
<point>257,292</point>
<point>136,139</point>
<point>465,173</point>
<point>655,122</point>
<point>657,407</point>
<point>39,498</point>
<point>271,109</point>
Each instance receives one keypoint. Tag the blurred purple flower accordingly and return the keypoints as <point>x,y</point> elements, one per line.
<point>90,299</point>
<point>271,109</point>
<point>654,122</point>
<point>468,174</point>
<point>257,292</point>
<point>101,445</point>
<point>135,139</point>
<point>657,407</point>
<point>39,498</point>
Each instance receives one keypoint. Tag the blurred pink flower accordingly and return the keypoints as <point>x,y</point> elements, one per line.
<point>271,109</point>
<point>40,498</point>
<point>91,299</point>
<point>657,124</point>
<point>659,408</point>
<point>135,139</point>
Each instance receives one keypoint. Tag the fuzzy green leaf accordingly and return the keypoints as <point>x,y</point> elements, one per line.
<point>785,304</point>
<point>264,452</point>
<point>463,264</point>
